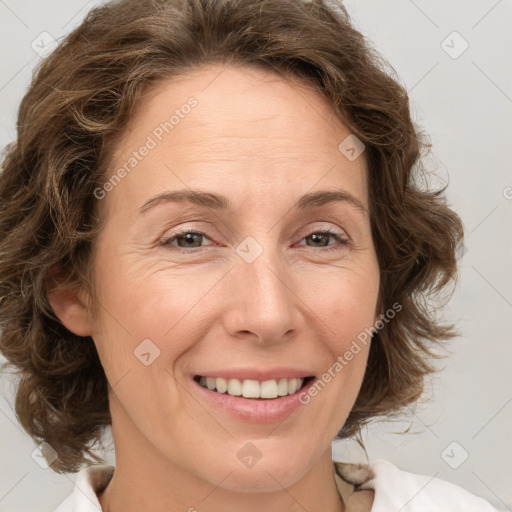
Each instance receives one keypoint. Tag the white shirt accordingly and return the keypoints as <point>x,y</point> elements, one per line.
<point>395,490</point>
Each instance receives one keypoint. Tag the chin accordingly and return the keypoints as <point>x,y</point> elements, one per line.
<point>269,468</point>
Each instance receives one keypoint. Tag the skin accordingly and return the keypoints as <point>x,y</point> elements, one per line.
<point>263,141</point>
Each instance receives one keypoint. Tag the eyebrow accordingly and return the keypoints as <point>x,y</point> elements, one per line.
<point>220,202</point>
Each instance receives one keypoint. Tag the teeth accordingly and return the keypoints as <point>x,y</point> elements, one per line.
<point>282,387</point>
<point>234,387</point>
<point>293,385</point>
<point>249,388</point>
<point>221,384</point>
<point>268,389</point>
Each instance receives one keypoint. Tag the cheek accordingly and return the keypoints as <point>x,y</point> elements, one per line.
<point>344,304</point>
<point>143,299</point>
<point>145,328</point>
<point>345,299</point>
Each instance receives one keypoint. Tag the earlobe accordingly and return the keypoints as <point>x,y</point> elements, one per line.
<point>69,306</point>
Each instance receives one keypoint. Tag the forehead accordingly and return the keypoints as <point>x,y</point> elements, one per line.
<point>235,103</point>
<point>249,130</point>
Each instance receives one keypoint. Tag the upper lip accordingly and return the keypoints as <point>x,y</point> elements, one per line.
<point>259,374</point>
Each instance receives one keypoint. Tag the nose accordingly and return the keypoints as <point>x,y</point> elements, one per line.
<point>263,304</point>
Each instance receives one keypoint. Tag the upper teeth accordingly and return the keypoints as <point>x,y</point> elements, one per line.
<point>249,388</point>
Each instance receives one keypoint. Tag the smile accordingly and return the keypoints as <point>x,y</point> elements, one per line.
<point>251,388</point>
<point>256,395</point>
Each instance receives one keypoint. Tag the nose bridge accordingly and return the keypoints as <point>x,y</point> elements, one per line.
<point>264,303</point>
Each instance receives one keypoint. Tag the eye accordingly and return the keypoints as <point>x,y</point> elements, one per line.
<point>322,238</point>
<point>184,238</point>
<point>189,241</point>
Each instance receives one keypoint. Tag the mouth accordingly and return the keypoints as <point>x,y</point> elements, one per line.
<point>254,389</point>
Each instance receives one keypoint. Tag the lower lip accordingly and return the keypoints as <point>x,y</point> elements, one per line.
<point>263,410</point>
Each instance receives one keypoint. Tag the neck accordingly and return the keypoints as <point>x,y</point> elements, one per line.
<point>144,479</point>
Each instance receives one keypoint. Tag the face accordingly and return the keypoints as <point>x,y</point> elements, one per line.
<point>250,282</point>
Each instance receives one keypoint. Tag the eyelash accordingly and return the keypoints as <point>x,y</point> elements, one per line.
<point>344,242</point>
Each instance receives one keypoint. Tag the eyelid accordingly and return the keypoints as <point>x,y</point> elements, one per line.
<point>305,232</point>
<point>326,229</point>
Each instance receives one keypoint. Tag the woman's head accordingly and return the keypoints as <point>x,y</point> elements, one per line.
<point>224,98</point>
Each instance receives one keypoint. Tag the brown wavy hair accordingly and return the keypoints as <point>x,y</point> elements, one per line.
<point>72,117</point>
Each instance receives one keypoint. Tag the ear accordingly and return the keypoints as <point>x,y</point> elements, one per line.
<point>69,304</point>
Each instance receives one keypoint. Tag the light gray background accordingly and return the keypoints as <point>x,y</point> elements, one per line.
<point>465,104</point>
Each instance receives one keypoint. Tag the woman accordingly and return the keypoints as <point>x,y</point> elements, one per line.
<point>213,241</point>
